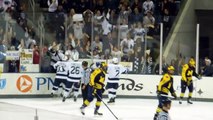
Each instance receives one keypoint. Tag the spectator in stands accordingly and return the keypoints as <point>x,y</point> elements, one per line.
<point>59,26</point>
<point>208,68</point>
<point>116,53</point>
<point>164,5</point>
<point>127,46</point>
<point>149,24</point>
<point>99,5</point>
<point>148,19</point>
<point>139,32</point>
<point>164,66</point>
<point>6,4</point>
<point>52,5</point>
<point>70,19</point>
<point>123,29</point>
<point>29,40</point>
<point>21,46</point>
<point>65,5</point>
<point>148,6</point>
<point>14,41</point>
<point>22,18</point>
<point>106,26</point>
<point>175,65</point>
<point>45,60</point>
<point>172,9</point>
<point>136,16</point>
<point>181,62</point>
<point>147,63</point>
<point>124,12</point>
<point>114,40</point>
<point>36,55</point>
<point>112,17</point>
<point>78,29</point>
<point>96,53</point>
<point>98,19</point>
<point>3,49</point>
<point>81,6</point>
<point>85,47</point>
<point>137,4</point>
<point>13,65</point>
<point>97,44</point>
<point>138,52</point>
<point>166,22</point>
<point>87,15</point>
<point>107,46</point>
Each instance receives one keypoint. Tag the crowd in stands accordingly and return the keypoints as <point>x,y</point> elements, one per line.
<point>111,28</point>
<point>99,29</point>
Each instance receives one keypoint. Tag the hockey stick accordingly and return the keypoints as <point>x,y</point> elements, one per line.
<point>168,96</point>
<point>108,107</point>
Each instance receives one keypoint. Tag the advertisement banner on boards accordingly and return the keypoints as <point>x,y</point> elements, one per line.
<point>26,56</point>
<point>12,55</point>
<point>129,85</point>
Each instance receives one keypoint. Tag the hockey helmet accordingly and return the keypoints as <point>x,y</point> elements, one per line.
<point>115,60</point>
<point>166,101</point>
<point>103,66</point>
<point>170,68</point>
<point>85,63</point>
<point>75,56</point>
<point>192,62</point>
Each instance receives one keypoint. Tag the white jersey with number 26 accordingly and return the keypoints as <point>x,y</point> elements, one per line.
<point>74,71</point>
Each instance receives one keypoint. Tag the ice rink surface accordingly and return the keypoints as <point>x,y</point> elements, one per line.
<point>124,109</point>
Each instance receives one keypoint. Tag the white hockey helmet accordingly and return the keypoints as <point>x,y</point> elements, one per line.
<point>75,56</point>
<point>115,60</point>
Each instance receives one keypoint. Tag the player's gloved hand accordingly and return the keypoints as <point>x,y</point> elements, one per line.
<point>103,90</point>
<point>174,95</point>
<point>199,77</point>
<point>158,93</point>
<point>189,82</point>
<point>94,92</point>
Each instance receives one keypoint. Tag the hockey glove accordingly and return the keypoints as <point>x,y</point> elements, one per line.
<point>103,90</point>
<point>174,95</point>
<point>199,77</point>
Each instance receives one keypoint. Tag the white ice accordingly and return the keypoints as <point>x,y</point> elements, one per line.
<point>124,109</point>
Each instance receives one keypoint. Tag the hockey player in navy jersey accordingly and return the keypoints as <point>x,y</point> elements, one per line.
<point>164,114</point>
<point>95,88</point>
<point>164,88</point>
<point>114,71</point>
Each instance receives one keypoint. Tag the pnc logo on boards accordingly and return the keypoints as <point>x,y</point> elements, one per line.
<point>24,83</point>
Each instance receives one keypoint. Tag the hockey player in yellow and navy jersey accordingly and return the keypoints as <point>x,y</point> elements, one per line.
<point>95,88</point>
<point>165,86</point>
<point>188,71</point>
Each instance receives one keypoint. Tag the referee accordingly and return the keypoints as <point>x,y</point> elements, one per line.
<point>85,79</point>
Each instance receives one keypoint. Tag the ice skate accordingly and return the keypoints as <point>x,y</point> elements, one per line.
<point>111,100</point>
<point>82,108</point>
<point>98,113</point>
<point>189,101</point>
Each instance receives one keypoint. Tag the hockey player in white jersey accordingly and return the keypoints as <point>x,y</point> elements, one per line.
<point>74,76</point>
<point>61,75</point>
<point>114,71</point>
<point>56,55</point>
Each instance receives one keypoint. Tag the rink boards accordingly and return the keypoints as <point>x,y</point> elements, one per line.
<point>129,86</point>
